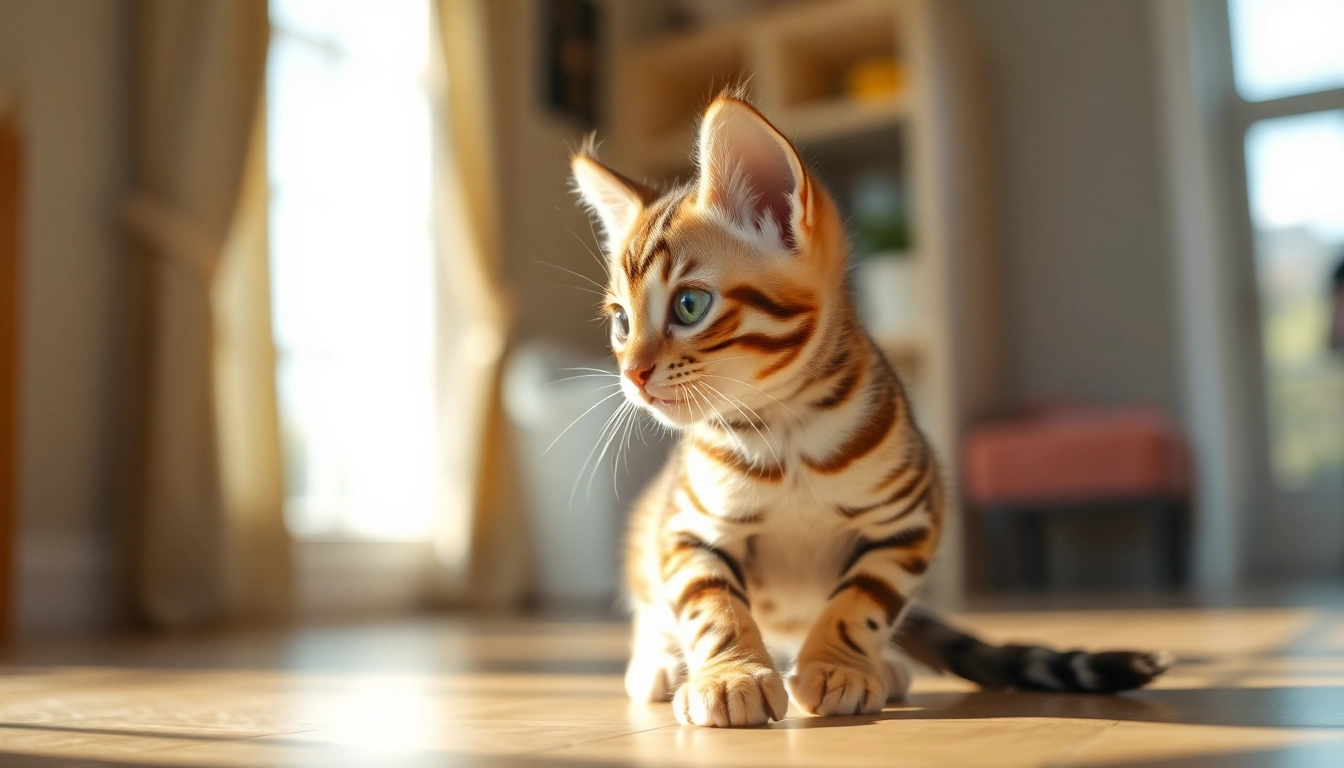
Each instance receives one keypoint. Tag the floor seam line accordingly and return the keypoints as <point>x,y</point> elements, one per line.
<point>203,742</point>
<point>544,750</point>
<point>1062,760</point>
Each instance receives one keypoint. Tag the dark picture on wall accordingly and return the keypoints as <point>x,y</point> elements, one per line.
<point>571,57</point>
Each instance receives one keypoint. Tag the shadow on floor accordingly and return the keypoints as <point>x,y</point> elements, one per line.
<point>1308,707</point>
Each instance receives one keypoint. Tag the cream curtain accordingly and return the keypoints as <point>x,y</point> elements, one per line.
<point>481,541</point>
<point>207,538</point>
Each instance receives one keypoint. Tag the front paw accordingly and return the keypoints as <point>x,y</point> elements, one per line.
<point>822,688</point>
<point>732,695</point>
<point>653,678</point>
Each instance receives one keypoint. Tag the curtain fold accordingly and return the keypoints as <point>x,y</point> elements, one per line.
<point>207,539</point>
<point>481,541</point>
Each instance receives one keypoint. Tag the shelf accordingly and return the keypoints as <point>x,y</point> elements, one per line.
<point>810,127</point>
<point>792,60</point>
<point>839,119</point>
<point>678,77</point>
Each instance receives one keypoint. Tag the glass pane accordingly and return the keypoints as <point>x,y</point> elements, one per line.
<point>1296,179</point>
<point>352,260</point>
<point>1286,47</point>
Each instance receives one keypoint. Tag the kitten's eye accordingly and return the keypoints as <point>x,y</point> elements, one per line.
<point>620,323</point>
<point>690,305</point>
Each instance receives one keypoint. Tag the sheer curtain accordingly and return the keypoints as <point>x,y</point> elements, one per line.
<point>205,515</point>
<point>480,541</point>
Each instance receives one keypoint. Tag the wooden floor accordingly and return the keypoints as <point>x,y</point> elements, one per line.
<point>1252,687</point>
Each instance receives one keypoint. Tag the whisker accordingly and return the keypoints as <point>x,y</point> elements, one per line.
<point>622,448</point>
<point>580,275</point>
<point>600,294</point>
<point>578,478</point>
<point>624,414</point>
<point>782,404</point>
<point>693,402</point>
<point>739,405</point>
<point>576,421</point>
<point>582,376</point>
<point>581,368</point>
<point>585,244</point>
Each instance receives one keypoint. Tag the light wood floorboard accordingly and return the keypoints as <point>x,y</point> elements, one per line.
<point>1253,687</point>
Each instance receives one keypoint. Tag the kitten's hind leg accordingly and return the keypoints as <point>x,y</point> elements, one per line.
<point>656,666</point>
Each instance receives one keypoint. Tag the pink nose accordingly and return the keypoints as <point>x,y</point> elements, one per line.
<point>640,376</point>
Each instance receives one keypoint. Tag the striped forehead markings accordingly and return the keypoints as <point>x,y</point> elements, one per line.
<point>652,243</point>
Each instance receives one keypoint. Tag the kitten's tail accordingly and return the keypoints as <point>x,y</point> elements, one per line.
<point>932,642</point>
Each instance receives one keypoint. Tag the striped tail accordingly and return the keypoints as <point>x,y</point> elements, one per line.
<point>929,640</point>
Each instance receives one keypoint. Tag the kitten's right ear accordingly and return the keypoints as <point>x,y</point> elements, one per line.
<point>614,199</point>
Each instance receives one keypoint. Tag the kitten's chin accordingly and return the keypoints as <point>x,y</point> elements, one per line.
<point>672,412</point>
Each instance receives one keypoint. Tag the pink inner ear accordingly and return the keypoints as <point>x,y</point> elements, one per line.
<point>746,147</point>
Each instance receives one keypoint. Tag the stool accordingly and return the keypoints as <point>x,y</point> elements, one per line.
<point>1026,469</point>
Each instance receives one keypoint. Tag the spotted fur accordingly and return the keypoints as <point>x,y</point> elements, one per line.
<point>802,510</point>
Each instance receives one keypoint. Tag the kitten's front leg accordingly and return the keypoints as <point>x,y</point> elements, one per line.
<point>841,668</point>
<point>731,681</point>
<point>656,668</point>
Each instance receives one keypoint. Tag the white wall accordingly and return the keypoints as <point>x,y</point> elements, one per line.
<point>66,58</point>
<point>1088,288</point>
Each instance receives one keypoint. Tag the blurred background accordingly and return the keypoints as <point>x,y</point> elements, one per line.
<point>296,306</point>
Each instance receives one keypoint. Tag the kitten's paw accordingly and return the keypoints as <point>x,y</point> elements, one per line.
<point>653,678</point>
<point>822,688</point>
<point>732,695</point>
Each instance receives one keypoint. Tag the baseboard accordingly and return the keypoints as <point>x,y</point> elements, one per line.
<point>65,581</point>
<point>350,578</point>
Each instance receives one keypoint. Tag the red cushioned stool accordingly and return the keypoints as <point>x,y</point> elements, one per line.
<point>1022,471</point>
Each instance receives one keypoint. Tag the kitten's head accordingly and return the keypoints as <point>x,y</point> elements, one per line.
<point>723,293</point>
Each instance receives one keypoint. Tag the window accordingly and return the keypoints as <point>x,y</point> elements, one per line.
<point>1286,47</point>
<point>350,124</point>
<point>1295,193</point>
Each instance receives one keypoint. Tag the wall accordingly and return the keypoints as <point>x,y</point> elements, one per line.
<point>66,59</point>
<point>1088,289</point>
<point>546,231</point>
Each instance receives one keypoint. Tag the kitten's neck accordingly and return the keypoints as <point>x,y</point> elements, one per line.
<point>843,364</point>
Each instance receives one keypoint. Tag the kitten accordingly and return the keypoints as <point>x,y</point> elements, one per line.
<point>801,511</point>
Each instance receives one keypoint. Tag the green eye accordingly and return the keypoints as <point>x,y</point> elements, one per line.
<point>690,305</point>
<point>621,323</point>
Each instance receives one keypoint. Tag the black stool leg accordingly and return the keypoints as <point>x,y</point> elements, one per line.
<point>1033,549</point>
<point>1165,524</point>
<point>1001,554</point>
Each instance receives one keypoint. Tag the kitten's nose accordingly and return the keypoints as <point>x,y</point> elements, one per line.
<point>640,374</point>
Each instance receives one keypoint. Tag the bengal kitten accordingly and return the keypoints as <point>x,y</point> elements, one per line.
<point>801,511</point>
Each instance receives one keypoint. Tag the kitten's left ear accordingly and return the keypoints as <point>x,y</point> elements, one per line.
<point>614,199</point>
<point>751,173</point>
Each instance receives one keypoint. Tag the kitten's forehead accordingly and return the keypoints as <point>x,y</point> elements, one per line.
<point>647,247</point>
<point>674,238</point>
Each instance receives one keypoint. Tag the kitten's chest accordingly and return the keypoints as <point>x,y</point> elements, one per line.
<point>794,548</point>
<point>793,563</point>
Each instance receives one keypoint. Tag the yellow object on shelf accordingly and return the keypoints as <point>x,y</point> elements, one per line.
<point>877,79</point>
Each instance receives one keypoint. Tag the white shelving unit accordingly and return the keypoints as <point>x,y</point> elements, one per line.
<point>792,59</point>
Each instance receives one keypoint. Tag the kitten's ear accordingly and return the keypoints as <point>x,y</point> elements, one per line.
<point>751,173</point>
<point>614,199</point>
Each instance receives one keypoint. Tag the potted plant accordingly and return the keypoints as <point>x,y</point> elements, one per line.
<point>887,281</point>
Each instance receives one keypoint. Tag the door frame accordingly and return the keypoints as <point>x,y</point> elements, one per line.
<point>11,190</point>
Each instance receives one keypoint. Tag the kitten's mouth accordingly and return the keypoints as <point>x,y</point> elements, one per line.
<point>660,402</point>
